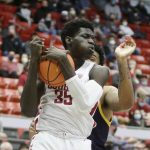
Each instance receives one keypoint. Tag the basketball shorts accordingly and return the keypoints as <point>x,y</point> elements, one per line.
<point>46,141</point>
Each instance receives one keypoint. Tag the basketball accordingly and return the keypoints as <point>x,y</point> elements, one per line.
<point>50,72</point>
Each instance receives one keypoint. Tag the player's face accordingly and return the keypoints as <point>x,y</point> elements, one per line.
<point>82,45</point>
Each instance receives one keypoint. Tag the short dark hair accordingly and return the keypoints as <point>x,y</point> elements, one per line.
<point>100,51</point>
<point>72,27</point>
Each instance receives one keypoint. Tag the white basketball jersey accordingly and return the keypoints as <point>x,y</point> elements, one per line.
<point>59,112</point>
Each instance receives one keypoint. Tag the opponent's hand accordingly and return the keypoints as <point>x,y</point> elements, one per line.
<point>54,53</point>
<point>36,46</point>
<point>126,48</point>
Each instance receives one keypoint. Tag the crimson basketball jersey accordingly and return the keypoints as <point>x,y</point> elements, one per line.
<point>59,113</point>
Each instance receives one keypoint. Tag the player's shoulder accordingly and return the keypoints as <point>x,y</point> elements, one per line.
<point>100,73</point>
<point>99,68</point>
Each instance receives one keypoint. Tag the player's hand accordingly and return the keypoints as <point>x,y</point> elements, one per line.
<point>126,48</point>
<point>54,53</point>
<point>36,46</point>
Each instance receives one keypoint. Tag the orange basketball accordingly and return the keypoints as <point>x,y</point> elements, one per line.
<point>50,72</point>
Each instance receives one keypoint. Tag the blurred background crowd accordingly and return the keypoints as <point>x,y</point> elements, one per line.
<point>21,20</point>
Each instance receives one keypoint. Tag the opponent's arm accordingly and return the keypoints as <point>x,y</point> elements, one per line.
<point>125,98</point>
<point>30,96</point>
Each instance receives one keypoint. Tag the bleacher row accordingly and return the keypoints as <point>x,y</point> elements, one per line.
<point>9,96</point>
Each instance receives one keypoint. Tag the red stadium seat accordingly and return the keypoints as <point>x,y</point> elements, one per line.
<point>143,43</point>
<point>14,108</point>
<point>6,17</point>
<point>3,107</point>
<point>8,83</point>
<point>55,16</point>
<point>139,59</point>
<point>145,68</point>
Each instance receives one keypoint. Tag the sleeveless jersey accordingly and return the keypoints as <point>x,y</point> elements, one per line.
<point>100,132</point>
<point>59,112</point>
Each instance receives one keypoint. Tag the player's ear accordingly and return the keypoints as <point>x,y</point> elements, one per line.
<point>68,40</point>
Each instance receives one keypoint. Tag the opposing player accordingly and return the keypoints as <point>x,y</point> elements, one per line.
<point>113,99</point>
<point>64,121</point>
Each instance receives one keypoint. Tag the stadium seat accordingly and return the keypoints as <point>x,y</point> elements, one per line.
<point>55,16</point>
<point>3,107</point>
<point>145,68</point>
<point>143,43</point>
<point>8,83</point>
<point>6,17</point>
<point>139,59</point>
<point>13,108</point>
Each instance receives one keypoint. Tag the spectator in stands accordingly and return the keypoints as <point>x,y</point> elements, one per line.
<point>124,29</point>
<point>42,11</point>
<point>113,8</point>
<point>109,48</point>
<point>47,25</point>
<point>9,68</point>
<point>72,14</point>
<point>12,42</point>
<point>24,13</point>
<point>23,146</point>
<point>23,78</point>
<point>100,36</point>
<point>110,26</point>
<point>64,5</point>
<point>144,17</point>
<point>136,118</point>
<point>6,146</point>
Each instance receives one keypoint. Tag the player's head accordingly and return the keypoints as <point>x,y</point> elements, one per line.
<point>98,55</point>
<point>78,36</point>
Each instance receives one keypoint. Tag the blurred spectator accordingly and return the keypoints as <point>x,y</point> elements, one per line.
<point>12,42</point>
<point>23,147</point>
<point>72,14</point>
<point>9,68</point>
<point>64,5</point>
<point>144,17</point>
<point>24,13</point>
<point>23,78</point>
<point>136,119</point>
<point>82,4</point>
<point>100,36</point>
<point>100,4</point>
<point>6,146</point>
<point>109,48</point>
<point>113,8</point>
<point>110,26</point>
<point>125,29</point>
<point>47,25</point>
<point>42,11</point>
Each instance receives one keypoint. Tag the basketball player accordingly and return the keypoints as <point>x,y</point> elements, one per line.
<point>110,101</point>
<point>64,122</point>
<point>113,99</point>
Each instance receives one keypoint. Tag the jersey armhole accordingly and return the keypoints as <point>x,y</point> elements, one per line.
<point>103,116</point>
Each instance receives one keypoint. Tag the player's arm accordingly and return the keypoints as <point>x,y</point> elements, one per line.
<point>29,97</point>
<point>124,99</point>
<point>79,90</point>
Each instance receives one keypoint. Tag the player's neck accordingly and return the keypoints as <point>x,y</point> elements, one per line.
<point>78,63</point>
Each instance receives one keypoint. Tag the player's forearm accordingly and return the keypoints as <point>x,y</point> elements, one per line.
<point>29,95</point>
<point>66,68</point>
<point>85,94</point>
<point>125,89</point>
